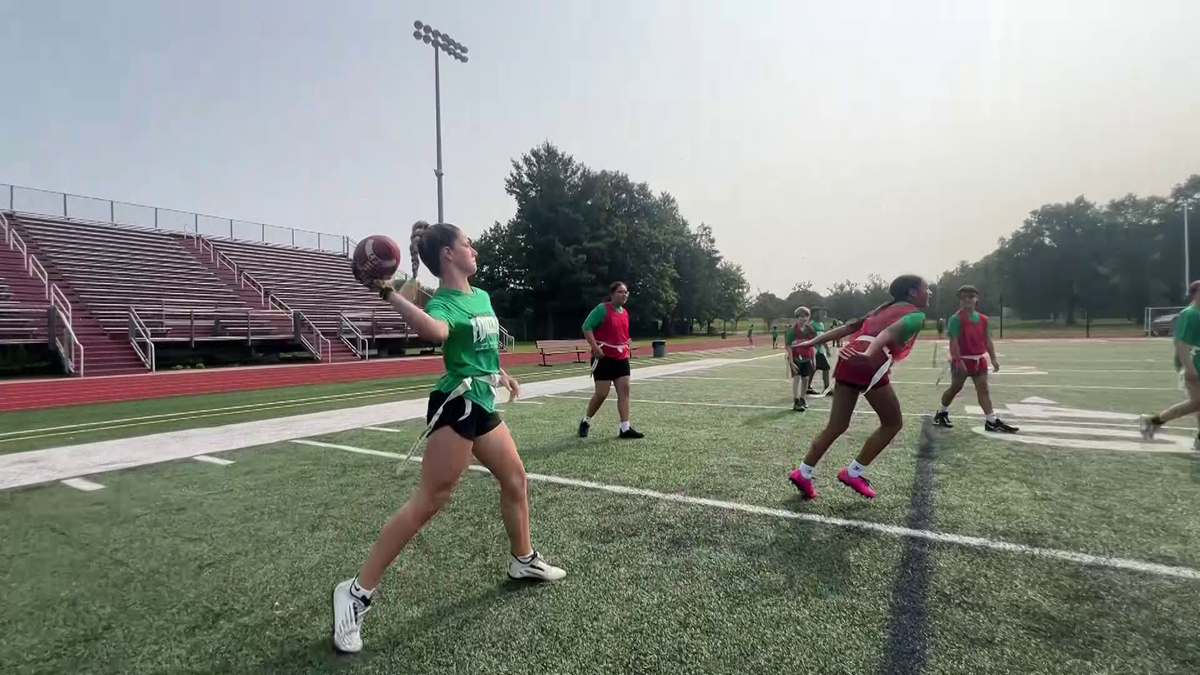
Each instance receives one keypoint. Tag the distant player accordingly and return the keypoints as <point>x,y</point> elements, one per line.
<point>822,356</point>
<point>800,359</point>
<point>774,336</point>
<point>970,347</point>
<point>607,331</point>
<point>750,335</point>
<point>941,327</point>
<point>1187,363</point>
<point>878,340</point>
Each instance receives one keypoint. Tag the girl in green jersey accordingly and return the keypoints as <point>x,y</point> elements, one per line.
<point>461,420</point>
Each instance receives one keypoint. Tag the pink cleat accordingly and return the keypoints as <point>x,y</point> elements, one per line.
<point>804,485</point>
<point>860,485</point>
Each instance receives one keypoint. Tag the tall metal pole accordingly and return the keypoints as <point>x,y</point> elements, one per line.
<point>1187,272</point>
<point>437,104</point>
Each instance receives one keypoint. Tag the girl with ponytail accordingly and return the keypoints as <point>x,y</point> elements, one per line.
<point>461,422</point>
<point>878,340</point>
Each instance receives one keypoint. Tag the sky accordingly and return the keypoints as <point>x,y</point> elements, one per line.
<point>822,141</point>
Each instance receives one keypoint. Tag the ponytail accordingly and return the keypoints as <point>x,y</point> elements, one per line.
<point>419,229</point>
<point>899,289</point>
<point>427,242</point>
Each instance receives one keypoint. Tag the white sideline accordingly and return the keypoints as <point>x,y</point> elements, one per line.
<point>41,466</point>
<point>892,530</point>
<point>1011,385</point>
<point>83,484</point>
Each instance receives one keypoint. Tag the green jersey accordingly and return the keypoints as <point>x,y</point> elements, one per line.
<point>472,349</point>
<point>819,326</point>
<point>1187,331</point>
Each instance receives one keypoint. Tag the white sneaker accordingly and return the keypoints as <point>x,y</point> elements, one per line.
<point>348,613</point>
<point>537,568</point>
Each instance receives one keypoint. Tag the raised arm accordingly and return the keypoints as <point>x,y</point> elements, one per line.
<point>428,328</point>
<point>848,328</point>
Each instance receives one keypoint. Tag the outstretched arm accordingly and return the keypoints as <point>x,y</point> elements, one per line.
<point>848,328</point>
<point>430,329</point>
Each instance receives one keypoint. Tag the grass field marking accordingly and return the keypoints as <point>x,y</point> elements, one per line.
<point>83,484</point>
<point>40,466</point>
<point>720,405</point>
<point>1101,387</point>
<point>208,459</point>
<point>891,530</point>
<point>385,429</point>
<point>1052,437</point>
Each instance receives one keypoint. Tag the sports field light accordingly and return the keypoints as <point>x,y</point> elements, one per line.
<point>441,43</point>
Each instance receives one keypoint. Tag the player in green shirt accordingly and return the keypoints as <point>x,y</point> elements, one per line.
<point>462,423</point>
<point>822,359</point>
<point>1187,362</point>
<point>774,336</point>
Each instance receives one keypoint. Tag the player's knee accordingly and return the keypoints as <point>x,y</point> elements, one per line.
<point>894,425</point>
<point>433,498</point>
<point>515,485</point>
<point>838,427</point>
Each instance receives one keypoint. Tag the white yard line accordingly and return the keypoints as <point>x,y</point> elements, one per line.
<point>42,466</point>
<point>891,530</point>
<point>213,460</point>
<point>82,484</point>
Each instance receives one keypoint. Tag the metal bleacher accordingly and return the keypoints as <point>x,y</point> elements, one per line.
<point>144,284</point>
<point>319,284</point>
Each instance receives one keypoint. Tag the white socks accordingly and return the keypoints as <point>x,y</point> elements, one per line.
<point>587,420</point>
<point>855,469</point>
<point>363,594</point>
<point>624,426</point>
<point>943,410</point>
<point>806,471</point>
<point>990,418</point>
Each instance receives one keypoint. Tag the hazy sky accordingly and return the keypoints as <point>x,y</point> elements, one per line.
<point>821,140</point>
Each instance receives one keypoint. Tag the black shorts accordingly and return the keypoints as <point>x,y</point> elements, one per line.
<point>467,418</point>
<point>607,369</point>
<point>801,368</point>
<point>822,361</point>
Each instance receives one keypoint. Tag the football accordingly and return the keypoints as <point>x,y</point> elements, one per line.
<point>376,257</point>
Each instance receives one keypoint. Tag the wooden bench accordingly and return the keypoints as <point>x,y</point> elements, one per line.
<point>550,347</point>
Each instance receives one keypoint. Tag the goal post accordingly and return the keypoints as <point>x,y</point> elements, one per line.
<point>1160,321</point>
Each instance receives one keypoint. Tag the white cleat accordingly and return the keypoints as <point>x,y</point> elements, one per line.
<point>348,613</point>
<point>537,568</point>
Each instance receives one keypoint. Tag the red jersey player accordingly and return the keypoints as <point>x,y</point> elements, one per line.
<point>881,338</point>
<point>970,347</point>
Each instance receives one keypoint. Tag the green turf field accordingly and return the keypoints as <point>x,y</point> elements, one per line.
<point>687,552</point>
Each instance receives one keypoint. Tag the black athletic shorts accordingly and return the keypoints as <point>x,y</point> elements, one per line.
<point>822,361</point>
<point>801,368</point>
<point>467,418</point>
<point>608,369</point>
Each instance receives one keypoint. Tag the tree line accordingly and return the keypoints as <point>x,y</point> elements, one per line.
<point>576,229</point>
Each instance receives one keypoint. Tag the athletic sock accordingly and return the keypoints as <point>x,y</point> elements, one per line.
<point>587,420</point>
<point>855,469</point>
<point>806,470</point>
<point>943,410</point>
<point>362,594</point>
<point>990,418</point>
<point>625,426</point>
<point>526,559</point>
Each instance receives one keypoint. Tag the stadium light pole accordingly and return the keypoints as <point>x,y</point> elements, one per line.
<point>441,42</point>
<point>1187,273</point>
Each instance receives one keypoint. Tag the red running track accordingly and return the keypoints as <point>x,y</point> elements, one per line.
<point>33,394</point>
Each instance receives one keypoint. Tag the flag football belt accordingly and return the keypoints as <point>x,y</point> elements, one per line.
<point>458,391</point>
<point>878,375</point>
<point>620,350</point>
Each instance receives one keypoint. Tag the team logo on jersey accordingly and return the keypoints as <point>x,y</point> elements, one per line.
<point>485,331</point>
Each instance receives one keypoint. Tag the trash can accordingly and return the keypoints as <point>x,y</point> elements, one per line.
<point>660,348</point>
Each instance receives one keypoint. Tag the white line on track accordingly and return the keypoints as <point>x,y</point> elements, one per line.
<point>83,484</point>
<point>891,530</point>
<point>208,459</point>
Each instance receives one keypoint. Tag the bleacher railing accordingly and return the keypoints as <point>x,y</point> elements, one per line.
<point>312,339</point>
<point>347,330</point>
<point>139,331</point>
<point>67,343</point>
<point>35,201</point>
